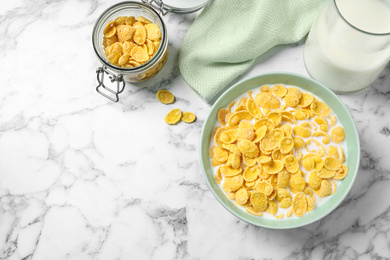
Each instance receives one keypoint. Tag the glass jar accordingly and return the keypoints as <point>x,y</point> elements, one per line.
<point>119,75</point>
<point>349,44</point>
<point>151,10</point>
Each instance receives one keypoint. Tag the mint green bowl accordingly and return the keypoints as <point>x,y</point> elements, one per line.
<point>338,108</point>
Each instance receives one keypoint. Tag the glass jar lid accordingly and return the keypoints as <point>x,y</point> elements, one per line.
<point>177,6</point>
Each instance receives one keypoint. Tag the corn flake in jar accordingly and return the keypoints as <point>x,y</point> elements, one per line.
<point>129,42</point>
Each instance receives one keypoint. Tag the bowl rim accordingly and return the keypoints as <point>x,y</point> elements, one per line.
<point>251,219</point>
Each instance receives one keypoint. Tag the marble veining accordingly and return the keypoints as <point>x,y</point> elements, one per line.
<point>84,178</point>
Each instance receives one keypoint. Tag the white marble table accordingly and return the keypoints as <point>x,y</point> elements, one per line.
<point>84,178</point>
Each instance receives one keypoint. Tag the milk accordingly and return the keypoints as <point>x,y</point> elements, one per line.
<point>347,53</point>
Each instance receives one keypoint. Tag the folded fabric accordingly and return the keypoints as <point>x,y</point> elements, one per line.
<point>228,35</point>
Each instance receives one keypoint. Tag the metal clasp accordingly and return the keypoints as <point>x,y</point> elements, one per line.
<point>158,4</point>
<point>109,93</point>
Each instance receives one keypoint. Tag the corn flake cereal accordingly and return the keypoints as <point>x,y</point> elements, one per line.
<point>130,42</point>
<point>165,96</point>
<point>259,201</point>
<point>259,155</point>
<point>188,117</point>
<point>173,117</point>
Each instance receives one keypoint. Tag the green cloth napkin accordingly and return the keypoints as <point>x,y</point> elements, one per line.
<point>228,35</point>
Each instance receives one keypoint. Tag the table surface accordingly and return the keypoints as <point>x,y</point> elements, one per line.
<point>82,177</point>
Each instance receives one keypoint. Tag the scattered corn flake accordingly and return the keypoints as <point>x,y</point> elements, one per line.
<point>165,96</point>
<point>173,117</point>
<point>188,117</point>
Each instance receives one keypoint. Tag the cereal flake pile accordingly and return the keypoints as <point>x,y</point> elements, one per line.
<point>278,150</point>
<point>130,42</point>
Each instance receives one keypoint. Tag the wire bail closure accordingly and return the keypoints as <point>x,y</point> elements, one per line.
<point>105,91</point>
<point>158,4</point>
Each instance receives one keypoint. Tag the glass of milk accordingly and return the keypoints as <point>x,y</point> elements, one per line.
<point>349,44</point>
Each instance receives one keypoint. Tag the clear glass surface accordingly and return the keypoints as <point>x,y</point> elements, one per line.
<point>146,70</point>
<point>349,44</point>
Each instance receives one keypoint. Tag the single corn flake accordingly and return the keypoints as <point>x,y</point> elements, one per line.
<point>264,187</point>
<point>272,207</point>
<point>297,183</point>
<point>236,117</point>
<point>188,117</point>
<point>143,20</point>
<point>299,204</point>
<point>267,100</point>
<point>282,194</point>
<point>241,196</point>
<point>222,116</point>
<point>173,117</point>
<point>252,211</point>
<point>153,32</point>
<point>320,108</point>
<point>259,201</point>
<point>341,173</point>
<point>139,54</point>
<point>285,203</point>
<point>232,184</point>
<point>165,96</point>
<point>286,145</point>
<point>306,100</point>
<point>325,189</point>
<point>283,179</point>
<point>279,90</point>
<point>301,131</point>
<point>253,108</point>
<point>251,173</point>
<point>248,148</point>
<point>229,171</point>
<point>220,154</point>
<point>291,163</point>
<point>273,167</point>
<point>331,163</point>
<point>314,181</point>
<point>337,134</point>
